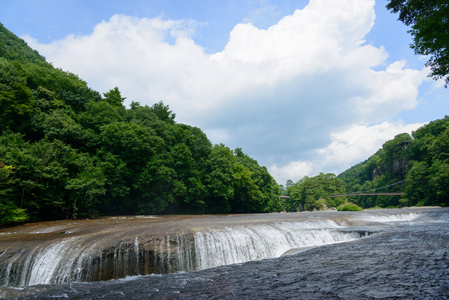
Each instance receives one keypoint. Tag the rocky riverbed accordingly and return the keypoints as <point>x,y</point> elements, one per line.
<point>399,260</point>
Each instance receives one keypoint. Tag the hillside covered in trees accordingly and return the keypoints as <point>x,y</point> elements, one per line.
<point>66,151</point>
<point>417,165</point>
<point>313,193</point>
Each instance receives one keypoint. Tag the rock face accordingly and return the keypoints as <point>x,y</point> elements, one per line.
<point>398,167</point>
<point>396,261</point>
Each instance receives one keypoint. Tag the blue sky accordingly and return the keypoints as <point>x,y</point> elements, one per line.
<point>302,86</point>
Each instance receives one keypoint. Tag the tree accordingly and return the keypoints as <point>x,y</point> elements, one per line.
<point>314,192</point>
<point>98,114</point>
<point>16,102</point>
<point>86,187</point>
<point>155,185</point>
<point>439,182</point>
<point>417,185</point>
<point>9,211</point>
<point>430,31</point>
<point>266,198</point>
<point>114,97</point>
<point>219,175</point>
<point>163,112</point>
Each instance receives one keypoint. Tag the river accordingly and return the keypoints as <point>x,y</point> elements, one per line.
<point>375,254</point>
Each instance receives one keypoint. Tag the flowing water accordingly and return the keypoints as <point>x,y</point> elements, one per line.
<point>62,252</point>
<point>72,257</point>
<point>242,244</point>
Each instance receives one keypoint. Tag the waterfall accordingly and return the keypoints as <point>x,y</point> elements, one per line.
<point>101,256</point>
<point>388,218</point>
<point>75,259</point>
<point>43,268</point>
<point>241,244</point>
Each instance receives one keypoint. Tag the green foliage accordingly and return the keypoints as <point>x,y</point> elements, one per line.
<point>265,196</point>
<point>14,49</point>
<point>421,160</point>
<point>349,207</point>
<point>219,175</point>
<point>386,167</point>
<point>163,112</point>
<point>429,29</point>
<point>9,212</point>
<point>428,176</point>
<point>114,97</point>
<point>16,102</point>
<point>320,204</point>
<point>312,193</point>
<point>66,152</point>
<point>50,179</point>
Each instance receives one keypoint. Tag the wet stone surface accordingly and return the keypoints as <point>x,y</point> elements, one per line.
<point>399,262</point>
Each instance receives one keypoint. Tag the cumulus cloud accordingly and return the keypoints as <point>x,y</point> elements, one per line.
<point>353,144</point>
<point>281,93</point>
<point>348,147</point>
<point>294,171</point>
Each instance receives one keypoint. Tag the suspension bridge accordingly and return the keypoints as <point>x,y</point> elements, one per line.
<point>373,192</point>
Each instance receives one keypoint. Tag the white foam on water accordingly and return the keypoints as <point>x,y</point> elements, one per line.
<point>72,258</point>
<point>388,218</point>
<point>310,225</point>
<point>245,243</point>
<point>46,262</point>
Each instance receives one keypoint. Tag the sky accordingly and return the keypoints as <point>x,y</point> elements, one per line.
<point>301,86</point>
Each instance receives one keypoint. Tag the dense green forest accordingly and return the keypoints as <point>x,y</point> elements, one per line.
<point>66,151</point>
<point>417,165</point>
<point>313,193</point>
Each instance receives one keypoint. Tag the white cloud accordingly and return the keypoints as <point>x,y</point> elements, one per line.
<point>294,171</point>
<point>360,141</point>
<point>348,147</point>
<point>278,93</point>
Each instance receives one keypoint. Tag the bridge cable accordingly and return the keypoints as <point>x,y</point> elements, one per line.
<point>383,187</point>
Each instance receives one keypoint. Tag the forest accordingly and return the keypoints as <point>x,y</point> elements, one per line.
<point>419,164</point>
<point>66,151</point>
<point>313,193</point>
<point>416,165</point>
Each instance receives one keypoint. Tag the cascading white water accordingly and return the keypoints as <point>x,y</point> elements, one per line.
<point>245,243</point>
<point>388,218</point>
<point>103,256</point>
<point>73,259</point>
<point>68,260</point>
<point>64,261</point>
<point>45,264</point>
<point>184,254</point>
